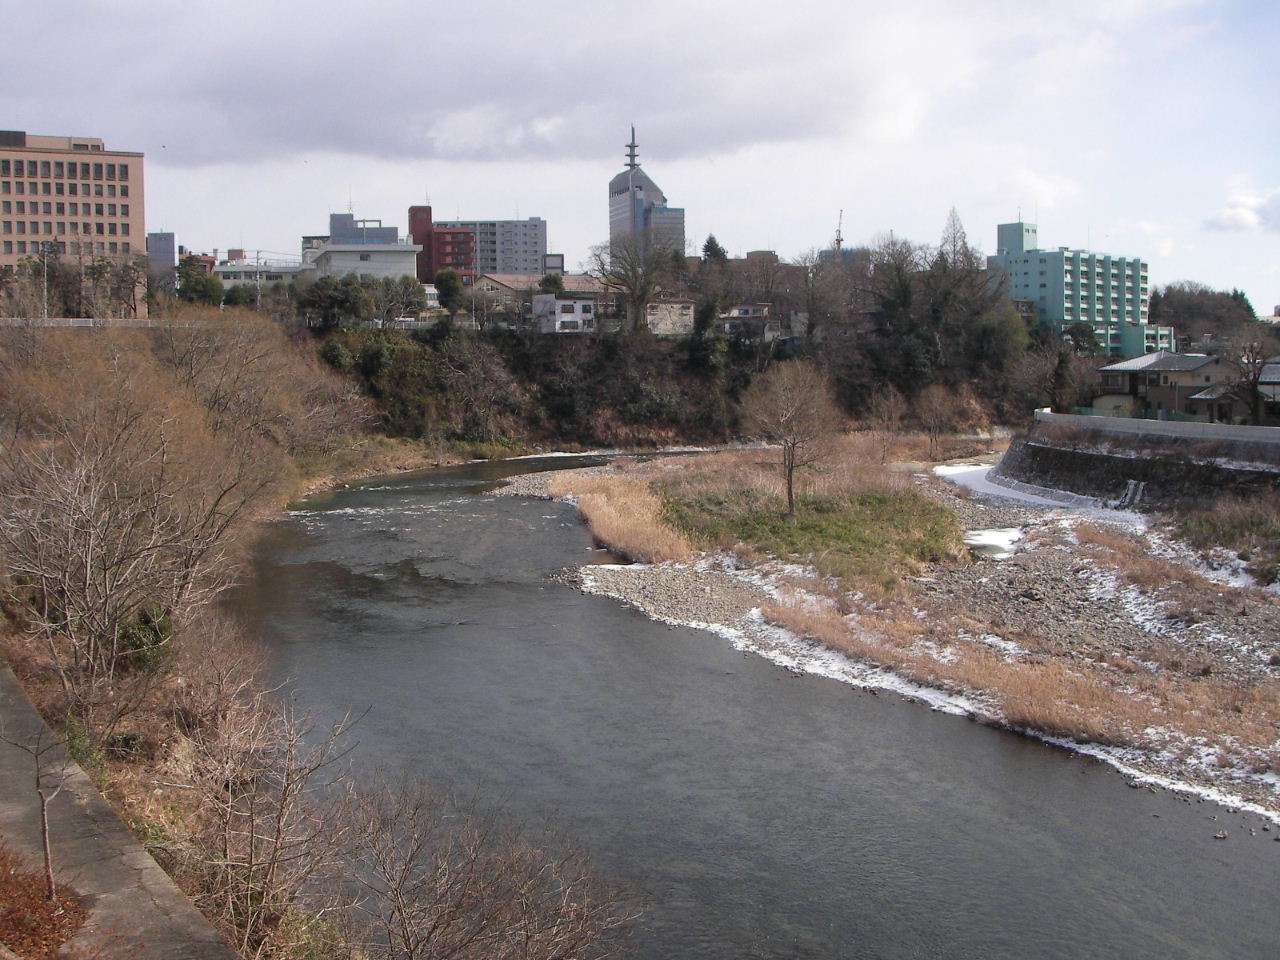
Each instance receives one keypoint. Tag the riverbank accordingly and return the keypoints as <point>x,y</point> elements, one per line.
<point>1090,621</point>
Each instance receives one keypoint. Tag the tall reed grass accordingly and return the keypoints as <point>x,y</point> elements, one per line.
<point>623,512</point>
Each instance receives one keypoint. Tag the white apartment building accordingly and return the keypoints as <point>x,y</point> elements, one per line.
<point>505,246</point>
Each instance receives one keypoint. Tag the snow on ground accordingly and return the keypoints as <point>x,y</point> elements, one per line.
<point>996,543</point>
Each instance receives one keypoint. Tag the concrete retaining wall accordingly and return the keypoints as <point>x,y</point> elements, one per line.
<point>1166,480</point>
<point>1163,428</point>
<point>135,911</point>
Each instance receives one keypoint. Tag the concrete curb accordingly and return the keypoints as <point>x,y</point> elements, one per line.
<point>135,911</point>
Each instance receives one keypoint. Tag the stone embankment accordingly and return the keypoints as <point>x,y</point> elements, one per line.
<point>1155,463</point>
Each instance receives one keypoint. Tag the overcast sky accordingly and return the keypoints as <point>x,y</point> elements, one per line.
<point>1144,128</point>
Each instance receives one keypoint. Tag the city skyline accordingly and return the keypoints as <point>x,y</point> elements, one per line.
<point>1134,128</point>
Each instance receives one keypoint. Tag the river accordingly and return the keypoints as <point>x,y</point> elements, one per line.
<point>751,812</point>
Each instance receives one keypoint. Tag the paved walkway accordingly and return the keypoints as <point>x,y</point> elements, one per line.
<point>135,911</point>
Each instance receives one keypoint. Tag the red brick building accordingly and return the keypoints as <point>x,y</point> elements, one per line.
<point>442,249</point>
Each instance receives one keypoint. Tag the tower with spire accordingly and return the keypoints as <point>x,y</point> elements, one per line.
<point>638,211</point>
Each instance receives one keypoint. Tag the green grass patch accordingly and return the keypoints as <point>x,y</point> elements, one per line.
<point>869,540</point>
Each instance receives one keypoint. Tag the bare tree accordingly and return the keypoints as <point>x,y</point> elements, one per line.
<point>793,405</point>
<point>476,373</point>
<point>884,415</point>
<point>51,771</point>
<point>119,510</point>
<point>1249,359</point>
<point>940,409</point>
<point>633,270</point>
<point>444,880</point>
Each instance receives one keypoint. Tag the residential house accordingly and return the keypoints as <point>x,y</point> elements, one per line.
<point>670,317</point>
<point>514,292</point>
<point>751,321</point>
<point>1166,386</point>
<point>566,314</point>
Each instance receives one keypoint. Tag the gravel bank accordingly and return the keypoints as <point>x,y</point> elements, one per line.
<point>1053,600</point>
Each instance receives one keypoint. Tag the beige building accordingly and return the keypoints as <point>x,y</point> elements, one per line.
<point>71,192</point>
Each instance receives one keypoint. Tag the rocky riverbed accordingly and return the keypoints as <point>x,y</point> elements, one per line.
<point>1108,591</point>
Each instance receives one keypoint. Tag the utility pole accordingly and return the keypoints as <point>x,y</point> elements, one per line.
<point>44,260</point>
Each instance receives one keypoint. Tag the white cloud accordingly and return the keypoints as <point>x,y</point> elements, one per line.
<point>1248,210</point>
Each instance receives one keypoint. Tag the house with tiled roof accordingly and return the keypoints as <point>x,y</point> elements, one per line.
<point>1160,385</point>
<point>1186,386</point>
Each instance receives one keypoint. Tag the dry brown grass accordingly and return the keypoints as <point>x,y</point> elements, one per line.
<point>851,466</point>
<point>1112,702</point>
<point>1130,556</point>
<point>625,513</point>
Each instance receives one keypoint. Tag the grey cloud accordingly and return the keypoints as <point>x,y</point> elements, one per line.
<point>406,81</point>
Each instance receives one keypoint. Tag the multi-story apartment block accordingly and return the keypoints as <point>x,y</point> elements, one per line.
<point>443,248</point>
<point>638,211</point>
<point>505,246</point>
<point>1108,293</point>
<point>71,193</point>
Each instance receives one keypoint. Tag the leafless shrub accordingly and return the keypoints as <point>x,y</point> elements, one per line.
<point>260,848</point>
<point>444,880</point>
<point>120,512</point>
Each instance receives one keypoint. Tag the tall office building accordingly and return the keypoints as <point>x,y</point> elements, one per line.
<point>505,246</point>
<point>1079,286</point>
<point>638,210</point>
<point>162,257</point>
<point>70,192</point>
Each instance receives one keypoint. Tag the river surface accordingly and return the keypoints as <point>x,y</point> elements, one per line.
<point>750,812</point>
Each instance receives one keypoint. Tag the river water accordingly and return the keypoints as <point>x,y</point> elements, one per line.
<point>750,812</point>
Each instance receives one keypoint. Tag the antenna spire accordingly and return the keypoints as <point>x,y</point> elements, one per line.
<point>632,162</point>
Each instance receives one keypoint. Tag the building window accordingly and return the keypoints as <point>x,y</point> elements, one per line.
<point>97,171</point>
<point>364,256</point>
<point>124,248</point>
<point>124,173</point>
